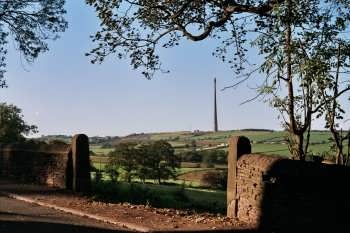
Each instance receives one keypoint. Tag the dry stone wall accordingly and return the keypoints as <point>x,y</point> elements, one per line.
<point>281,195</point>
<point>35,163</point>
<point>58,165</point>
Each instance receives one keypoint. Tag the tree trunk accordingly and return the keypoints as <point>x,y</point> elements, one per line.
<point>307,139</point>
<point>298,147</point>
<point>339,157</point>
<point>296,135</point>
<point>338,137</point>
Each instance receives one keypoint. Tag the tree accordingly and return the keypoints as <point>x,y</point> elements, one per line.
<point>145,162</point>
<point>215,179</point>
<point>288,34</point>
<point>191,156</point>
<point>125,157</point>
<point>340,61</point>
<point>12,126</point>
<point>30,23</point>
<point>163,160</point>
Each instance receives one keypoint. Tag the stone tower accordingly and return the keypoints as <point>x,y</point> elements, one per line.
<point>215,109</point>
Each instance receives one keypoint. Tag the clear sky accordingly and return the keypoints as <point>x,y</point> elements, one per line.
<point>62,93</point>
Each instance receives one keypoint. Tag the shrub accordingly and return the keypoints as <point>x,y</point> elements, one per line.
<point>215,179</point>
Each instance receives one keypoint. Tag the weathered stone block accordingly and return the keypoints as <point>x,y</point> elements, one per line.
<point>238,146</point>
<point>81,163</point>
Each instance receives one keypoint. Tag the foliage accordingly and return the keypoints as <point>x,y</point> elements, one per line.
<point>216,179</point>
<point>12,126</point>
<point>296,38</point>
<point>112,172</point>
<point>163,160</point>
<point>125,156</point>
<point>155,160</point>
<point>214,157</point>
<point>191,156</point>
<point>205,156</point>
<point>332,109</point>
<point>30,24</point>
<point>139,31</point>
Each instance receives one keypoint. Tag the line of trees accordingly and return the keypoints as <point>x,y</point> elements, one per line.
<point>155,160</point>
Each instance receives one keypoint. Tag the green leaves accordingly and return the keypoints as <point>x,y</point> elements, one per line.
<point>136,29</point>
<point>29,24</point>
<point>155,160</point>
<point>297,40</point>
<point>12,125</point>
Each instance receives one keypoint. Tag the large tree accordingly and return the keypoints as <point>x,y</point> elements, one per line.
<point>289,35</point>
<point>29,24</point>
<point>124,156</point>
<point>162,161</point>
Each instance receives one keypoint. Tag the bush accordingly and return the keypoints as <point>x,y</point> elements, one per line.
<point>191,156</point>
<point>215,179</point>
<point>98,176</point>
<point>214,157</point>
<point>113,174</point>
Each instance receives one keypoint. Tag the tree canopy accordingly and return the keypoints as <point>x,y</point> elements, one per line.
<point>298,42</point>
<point>155,160</point>
<point>30,24</point>
<point>138,28</point>
<point>12,126</point>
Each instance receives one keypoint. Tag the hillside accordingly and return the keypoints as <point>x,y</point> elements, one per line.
<point>264,141</point>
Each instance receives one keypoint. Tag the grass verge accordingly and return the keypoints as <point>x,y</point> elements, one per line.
<point>161,196</point>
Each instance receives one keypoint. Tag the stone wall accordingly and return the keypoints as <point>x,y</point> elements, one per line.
<point>282,195</point>
<point>58,165</point>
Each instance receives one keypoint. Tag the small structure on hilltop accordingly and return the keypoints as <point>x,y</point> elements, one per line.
<point>277,194</point>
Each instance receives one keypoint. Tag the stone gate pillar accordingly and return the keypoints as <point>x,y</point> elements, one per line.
<point>238,146</point>
<point>81,163</point>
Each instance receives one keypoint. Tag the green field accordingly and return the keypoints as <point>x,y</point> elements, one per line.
<point>262,141</point>
<point>100,151</point>
<point>189,193</point>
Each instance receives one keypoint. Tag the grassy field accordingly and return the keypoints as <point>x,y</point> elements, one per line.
<point>262,141</point>
<point>100,151</point>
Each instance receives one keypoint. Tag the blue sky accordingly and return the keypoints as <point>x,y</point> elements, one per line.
<point>62,93</point>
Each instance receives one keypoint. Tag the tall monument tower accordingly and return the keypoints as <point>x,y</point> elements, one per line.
<point>215,109</point>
